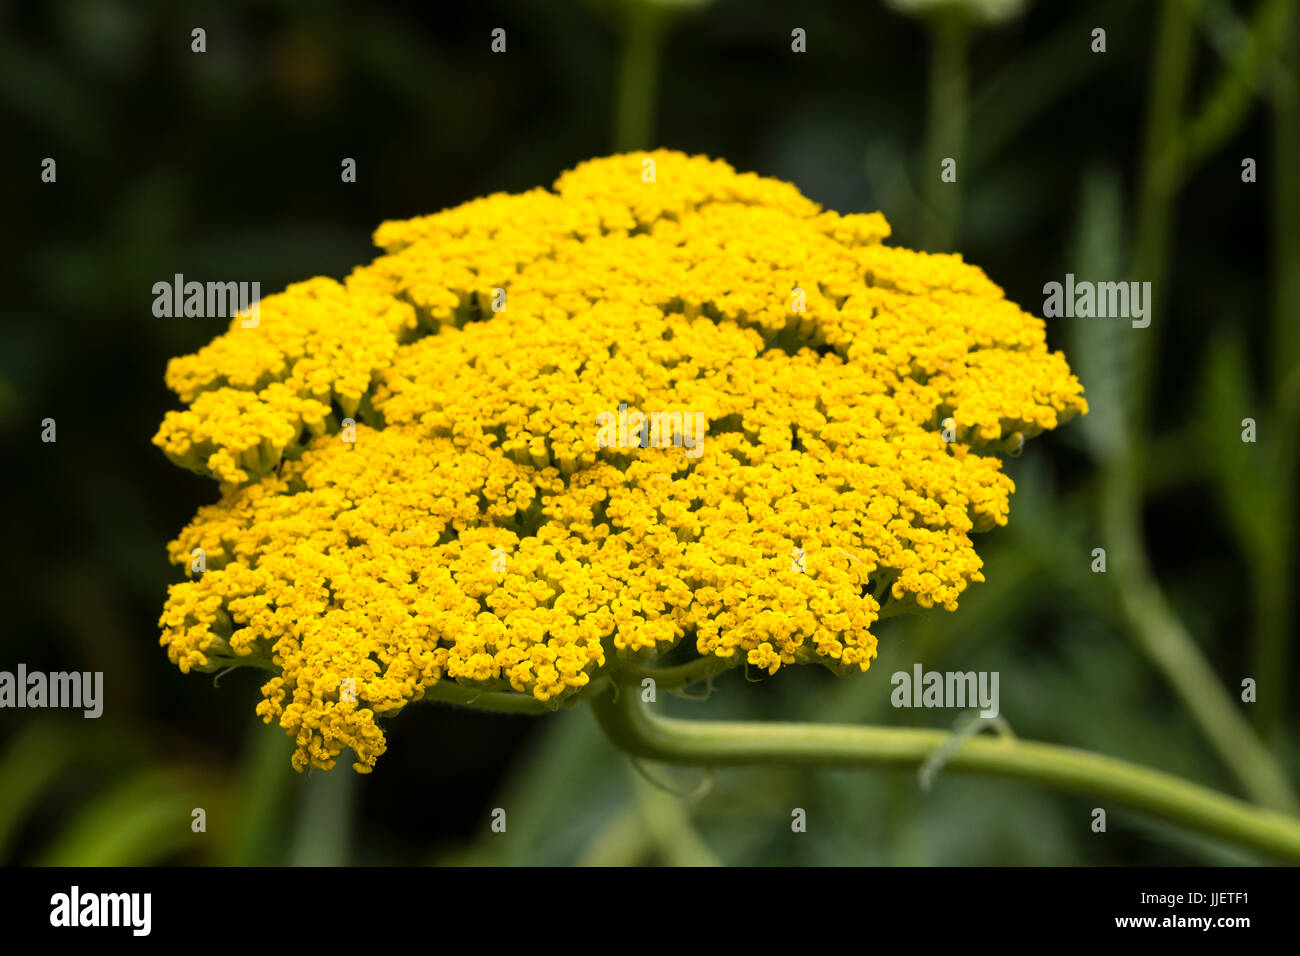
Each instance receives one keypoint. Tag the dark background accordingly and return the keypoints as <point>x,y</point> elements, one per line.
<point>226,165</point>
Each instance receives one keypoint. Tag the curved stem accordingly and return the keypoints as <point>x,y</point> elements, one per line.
<point>505,701</point>
<point>220,663</point>
<point>1155,626</point>
<point>682,675</point>
<point>631,726</point>
<point>1162,637</point>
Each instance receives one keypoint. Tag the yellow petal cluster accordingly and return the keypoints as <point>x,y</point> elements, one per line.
<point>473,527</point>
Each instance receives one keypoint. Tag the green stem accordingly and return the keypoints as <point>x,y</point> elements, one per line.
<point>1023,91</point>
<point>947,133</point>
<point>1286,208</point>
<point>1161,636</point>
<point>230,662</point>
<point>623,841</point>
<point>264,793</point>
<point>632,727</point>
<point>323,836</point>
<point>638,78</point>
<point>1274,606</point>
<point>1225,108</point>
<point>1175,146</point>
<point>667,821</point>
<point>1153,624</point>
<point>682,675</point>
<point>1270,655</point>
<point>1159,184</point>
<point>504,701</point>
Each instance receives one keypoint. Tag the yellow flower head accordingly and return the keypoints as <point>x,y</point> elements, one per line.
<point>665,401</point>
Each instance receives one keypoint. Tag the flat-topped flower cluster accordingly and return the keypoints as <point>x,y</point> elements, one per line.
<point>477,531</point>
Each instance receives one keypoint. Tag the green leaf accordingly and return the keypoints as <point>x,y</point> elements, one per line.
<point>1101,351</point>
<point>1242,469</point>
<point>140,822</point>
<point>35,757</point>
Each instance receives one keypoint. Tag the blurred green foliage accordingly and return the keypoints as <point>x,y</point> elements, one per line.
<point>226,164</point>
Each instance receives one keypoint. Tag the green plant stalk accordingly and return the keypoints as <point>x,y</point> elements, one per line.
<point>1225,107</point>
<point>631,726</point>
<point>1175,147</point>
<point>33,759</point>
<point>1162,637</point>
<point>666,819</point>
<point>1023,91</point>
<point>638,79</point>
<point>323,835</point>
<point>1286,208</point>
<point>947,129</point>
<point>682,675</point>
<point>1159,182</point>
<point>503,701</point>
<point>1274,606</point>
<point>1270,657</point>
<point>264,792</point>
<point>1156,629</point>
